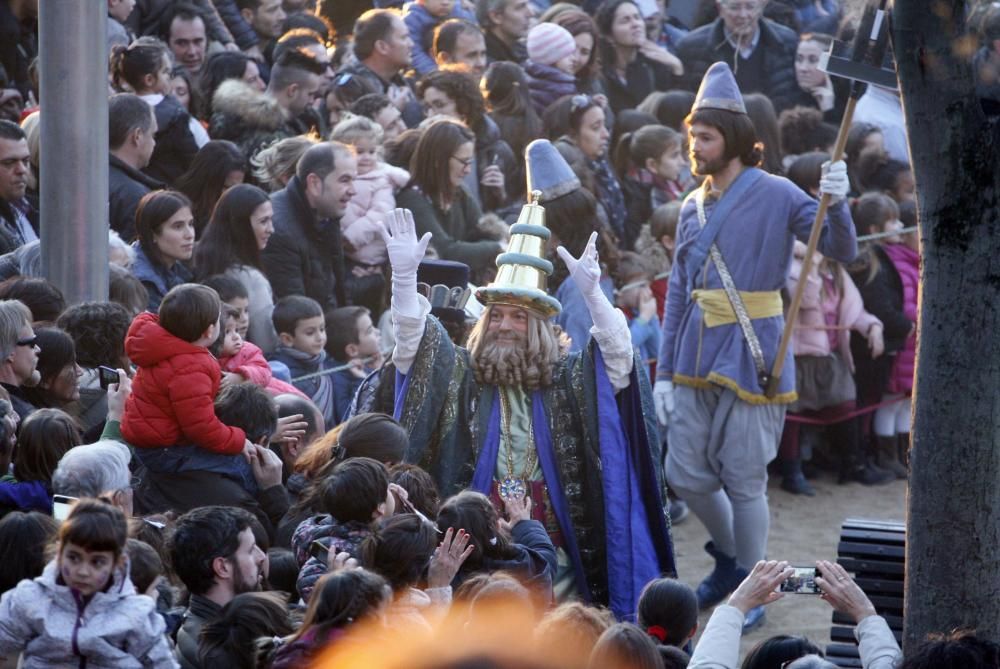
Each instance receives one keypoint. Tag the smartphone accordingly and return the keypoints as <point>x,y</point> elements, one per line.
<point>61,505</point>
<point>802,582</point>
<point>107,376</point>
<point>319,551</point>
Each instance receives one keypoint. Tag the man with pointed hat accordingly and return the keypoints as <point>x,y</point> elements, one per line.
<point>723,323</point>
<point>512,415</point>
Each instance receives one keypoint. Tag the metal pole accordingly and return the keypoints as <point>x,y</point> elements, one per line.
<point>74,147</point>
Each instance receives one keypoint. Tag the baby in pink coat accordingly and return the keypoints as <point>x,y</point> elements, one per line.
<point>242,361</point>
<point>376,186</point>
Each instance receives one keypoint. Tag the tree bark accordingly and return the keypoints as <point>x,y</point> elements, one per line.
<point>953,523</point>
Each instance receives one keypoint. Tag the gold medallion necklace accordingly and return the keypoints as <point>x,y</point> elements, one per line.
<point>512,487</point>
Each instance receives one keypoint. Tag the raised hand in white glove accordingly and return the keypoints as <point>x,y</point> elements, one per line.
<point>404,249</point>
<point>585,270</point>
<point>663,400</point>
<point>586,273</point>
<point>833,180</point>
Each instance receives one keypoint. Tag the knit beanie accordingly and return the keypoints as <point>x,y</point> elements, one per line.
<point>549,43</point>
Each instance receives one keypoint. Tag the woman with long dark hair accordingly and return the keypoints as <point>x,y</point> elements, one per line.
<point>165,241</point>
<point>59,385</point>
<point>219,165</point>
<point>633,67</point>
<point>239,230</point>
<point>505,89</point>
<point>227,65</point>
<point>440,202</point>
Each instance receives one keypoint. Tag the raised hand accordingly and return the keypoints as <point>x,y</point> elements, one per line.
<point>448,558</point>
<point>585,270</point>
<point>400,236</point>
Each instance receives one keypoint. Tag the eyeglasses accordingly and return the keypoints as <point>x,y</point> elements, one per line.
<point>578,102</point>
<point>466,162</point>
<point>30,341</point>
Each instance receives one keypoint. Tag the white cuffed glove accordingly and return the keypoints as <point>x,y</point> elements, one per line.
<point>405,253</point>
<point>586,273</point>
<point>833,180</point>
<point>663,400</point>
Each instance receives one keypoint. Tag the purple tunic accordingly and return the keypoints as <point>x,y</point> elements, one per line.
<point>756,244</point>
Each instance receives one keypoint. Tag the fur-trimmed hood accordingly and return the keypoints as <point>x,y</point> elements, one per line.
<point>254,110</point>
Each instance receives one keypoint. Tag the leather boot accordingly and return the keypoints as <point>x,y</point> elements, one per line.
<point>888,456</point>
<point>855,464</point>
<point>792,479</point>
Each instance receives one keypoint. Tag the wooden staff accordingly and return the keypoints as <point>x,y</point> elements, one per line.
<point>869,45</point>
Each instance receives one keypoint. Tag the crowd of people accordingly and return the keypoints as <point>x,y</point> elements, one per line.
<point>322,407</point>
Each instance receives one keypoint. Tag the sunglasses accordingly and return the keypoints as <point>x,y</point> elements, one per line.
<point>30,341</point>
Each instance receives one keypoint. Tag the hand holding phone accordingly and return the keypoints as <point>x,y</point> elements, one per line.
<point>106,376</point>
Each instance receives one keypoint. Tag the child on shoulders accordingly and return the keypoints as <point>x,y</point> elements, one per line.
<point>170,416</point>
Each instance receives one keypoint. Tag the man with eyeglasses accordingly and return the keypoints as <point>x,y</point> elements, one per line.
<point>16,213</point>
<point>760,52</point>
<point>19,354</point>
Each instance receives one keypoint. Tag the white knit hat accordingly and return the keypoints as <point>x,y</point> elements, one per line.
<point>549,43</point>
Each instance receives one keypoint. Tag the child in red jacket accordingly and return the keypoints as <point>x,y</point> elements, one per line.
<point>170,415</point>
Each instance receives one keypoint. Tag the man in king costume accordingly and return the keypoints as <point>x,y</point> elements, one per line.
<point>722,327</point>
<point>513,415</point>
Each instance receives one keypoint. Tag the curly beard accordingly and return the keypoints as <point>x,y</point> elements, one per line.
<point>509,358</point>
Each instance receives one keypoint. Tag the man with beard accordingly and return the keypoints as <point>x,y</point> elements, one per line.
<point>512,415</point>
<point>18,354</point>
<point>719,342</point>
<point>215,555</point>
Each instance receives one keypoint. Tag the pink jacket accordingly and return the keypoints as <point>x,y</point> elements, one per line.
<point>907,263</point>
<point>374,198</point>
<point>811,336</point>
<point>249,363</point>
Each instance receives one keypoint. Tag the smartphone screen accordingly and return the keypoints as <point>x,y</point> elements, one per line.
<point>802,582</point>
<point>61,505</point>
<point>319,551</point>
<point>107,376</point>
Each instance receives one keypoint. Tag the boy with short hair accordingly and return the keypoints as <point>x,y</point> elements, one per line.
<point>421,18</point>
<point>170,416</point>
<point>353,340</point>
<point>301,329</point>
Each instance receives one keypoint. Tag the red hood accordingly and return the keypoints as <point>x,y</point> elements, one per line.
<point>148,344</point>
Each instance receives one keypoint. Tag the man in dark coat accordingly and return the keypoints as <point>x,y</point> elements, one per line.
<point>304,255</point>
<point>760,52</point>
<point>132,127</point>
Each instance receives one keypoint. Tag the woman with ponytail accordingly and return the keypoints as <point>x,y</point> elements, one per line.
<point>144,68</point>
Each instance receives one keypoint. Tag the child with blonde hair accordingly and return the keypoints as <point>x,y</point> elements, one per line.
<point>375,196</point>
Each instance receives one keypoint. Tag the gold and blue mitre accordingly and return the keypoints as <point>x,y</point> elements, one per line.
<point>523,269</point>
<point>718,90</point>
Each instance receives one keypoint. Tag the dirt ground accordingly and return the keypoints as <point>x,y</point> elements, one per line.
<point>803,529</point>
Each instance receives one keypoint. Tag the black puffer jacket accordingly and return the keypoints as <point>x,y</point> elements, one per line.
<point>126,186</point>
<point>708,44</point>
<point>304,255</point>
<point>175,145</point>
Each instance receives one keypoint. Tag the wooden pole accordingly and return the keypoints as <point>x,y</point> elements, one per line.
<point>817,228</point>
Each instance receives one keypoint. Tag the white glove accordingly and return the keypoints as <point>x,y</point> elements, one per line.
<point>586,273</point>
<point>405,253</point>
<point>833,180</point>
<point>663,400</point>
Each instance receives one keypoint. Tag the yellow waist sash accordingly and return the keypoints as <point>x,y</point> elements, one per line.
<point>717,309</point>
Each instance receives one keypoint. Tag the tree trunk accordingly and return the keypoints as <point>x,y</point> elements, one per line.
<point>953,523</point>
